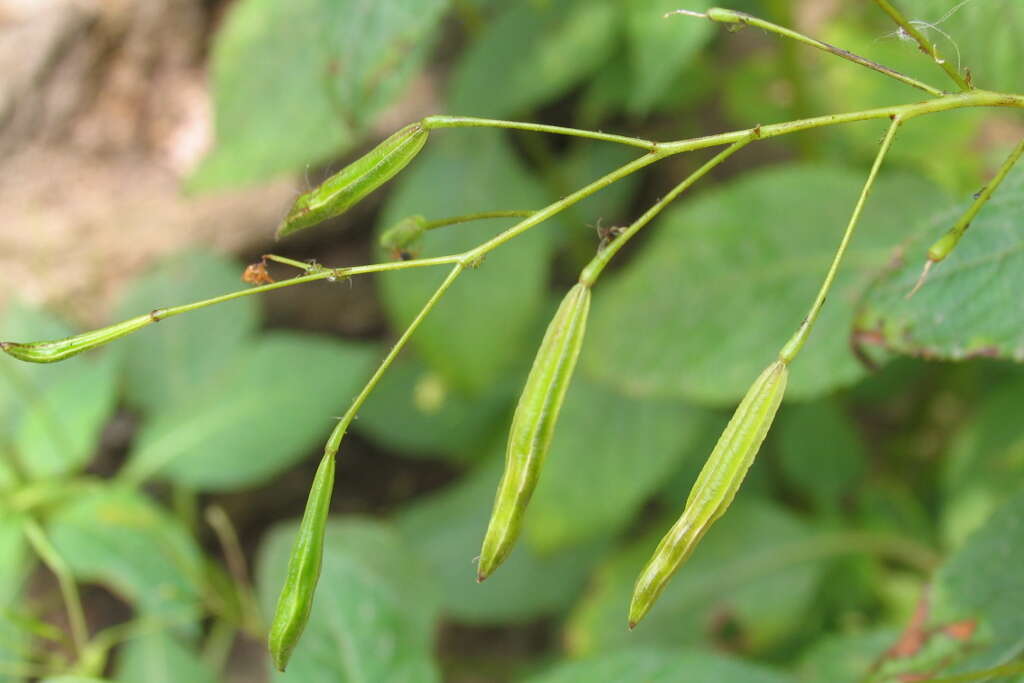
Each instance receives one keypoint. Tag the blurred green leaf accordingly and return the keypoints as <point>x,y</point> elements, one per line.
<point>488,317</point>
<point>14,566</point>
<point>415,411</point>
<point>756,90</point>
<point>74,679</point>
<point>982,36</point>
<point>61,431</point>
<point>660,47</point>
<point>726,278</point>
<point>969,305</point>
<point>161,658</point>
<point>659,666</point>
<point>299,82</point>
<point>375,610</point>
<point>609,454</point>
<point>846,658</point>
<point>180,358</point>
<point>116,537</point>
<point>530,54</point>
<point>751,569</point>
<point>446,530</point>
<point>276,401</point>
<point>820,451</point>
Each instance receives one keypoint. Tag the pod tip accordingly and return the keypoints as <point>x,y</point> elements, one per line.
<point>480,576</point>
<point>632,625</point>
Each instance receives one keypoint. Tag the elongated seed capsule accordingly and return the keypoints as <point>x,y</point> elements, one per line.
<point>341,191</point>
<point>715,487</point>
<point>53,351</point>
<point>296,598</point>
<point>403,233</point>
<point>533,425</point>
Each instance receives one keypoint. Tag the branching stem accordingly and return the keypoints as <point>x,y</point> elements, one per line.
<point>926,45</point>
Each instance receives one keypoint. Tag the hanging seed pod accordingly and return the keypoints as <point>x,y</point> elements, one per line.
<point>53,351</point>
<point>533,425</point>
<point>403,234</point>
<point>715,487</point>
<point>296,598</point>
<point>344,189</point>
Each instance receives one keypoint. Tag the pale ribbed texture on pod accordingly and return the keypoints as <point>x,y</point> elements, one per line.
<point>296,598</point>
<point>53,351</point>
<point>715,487</point>
<point>533,425</point>
<point>342,190</point>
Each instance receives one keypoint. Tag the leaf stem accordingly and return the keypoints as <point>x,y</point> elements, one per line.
<point>483,215</point>
<point>728,16</point>
<point>793,346</point>
<point>440,121</point>
<point>68,588</point>
<point>926,46</point>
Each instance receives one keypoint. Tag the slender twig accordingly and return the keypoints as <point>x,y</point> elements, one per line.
<point>793,346</point>
<point>927,47</point>
<point>983,675</point>
<point>474,122</point>
<point>68,588</point>
<point>727,16</point>
<point>483,215</point>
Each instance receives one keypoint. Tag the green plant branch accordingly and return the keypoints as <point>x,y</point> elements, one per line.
<point>793,346</point>
<point>439,121</point>
<point>728,16</point>
<point>923,43</point>
<point>593,269</point>
<point>982,675</point>
<point>483,215</point>
<point>68,588</point>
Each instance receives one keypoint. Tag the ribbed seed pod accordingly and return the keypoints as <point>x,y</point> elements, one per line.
<point>53,351</point>
<point>341,191</point>
<point>533,425</point>
<point>715,487</point>
<point>296,597</point>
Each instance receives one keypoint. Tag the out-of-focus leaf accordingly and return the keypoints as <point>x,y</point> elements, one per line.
<point>74,679</point>
<point>751,570</point>
<point>299,82</point>
<point>417,412</point>
<point>845,658</point>
<point>660,47</point>
<point>117,537</point>
<point>756,90</point>
<point>651,665</point>
<point>161,658</point>
<point>725,280</point>
<point>375,609</point>
<point>971,304</point>
<point>974,620</point>
<point>178,359</point>
<point>276,401</point>
<point>489,315</point>
<point>446,529</point>
<point>60,431</point>
<point>13,569</point>
<point>531,53</point>
<point>820,451</point>
<point>983,36</point>
<point>609,453</point>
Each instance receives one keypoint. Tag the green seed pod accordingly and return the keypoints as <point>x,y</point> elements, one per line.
<point>715,487</point>
<point>403,233</point>
<point>533,425</point>
<point>53,351</point>
<point>296,598</point>
<point>344,189</point>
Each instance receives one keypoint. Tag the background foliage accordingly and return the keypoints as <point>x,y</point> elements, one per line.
<point>880,535</point>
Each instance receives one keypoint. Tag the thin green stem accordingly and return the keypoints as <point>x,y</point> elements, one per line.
<point>68,588</point>
<point>304,266</point>
<point>926,45</point>
<point>334,441</point>
<point>593,269</point>
<point>483,215</point>
<point>727,16</point>
<point>982,675</point>
<point>439,121</point>
<point>793,346</point>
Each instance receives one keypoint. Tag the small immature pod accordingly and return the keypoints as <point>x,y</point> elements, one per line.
<point>403,233</point>
<point>715,487</point>
<point>296,598</point>
<point>534,424</point>
<point>341,191</point>
<point>53,351</point>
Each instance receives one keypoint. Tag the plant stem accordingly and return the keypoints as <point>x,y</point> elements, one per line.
<point>68,588</point>
<point>483,215</point>
<point>334,441</point>
<point>926,46</point>
<point>304,266</point>
<point>593,269</point>
<point>793,346</point>
<point>983,675</point>
<point>727,16</point>
<point>439,121</point>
